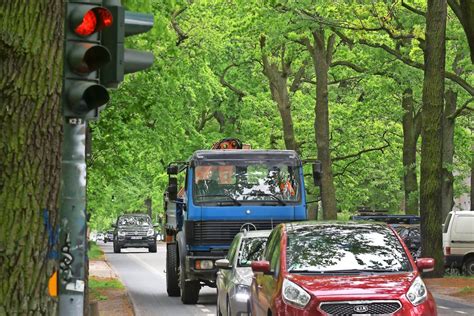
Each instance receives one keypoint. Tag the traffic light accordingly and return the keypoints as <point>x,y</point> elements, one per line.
<point>84,57</point>
<point>124,60</point>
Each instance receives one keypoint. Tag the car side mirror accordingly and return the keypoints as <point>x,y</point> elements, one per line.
<point>425,264</point>
<point>223,264</point>
<point>317,172</point>
<point>261,267</point>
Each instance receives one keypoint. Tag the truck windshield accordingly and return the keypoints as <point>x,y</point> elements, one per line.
<point>251,182</point>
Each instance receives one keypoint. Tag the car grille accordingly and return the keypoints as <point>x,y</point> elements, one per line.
<point>361,307</point>
<point>220,232</point>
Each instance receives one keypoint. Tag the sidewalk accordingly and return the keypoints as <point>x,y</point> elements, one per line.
<point>117,302</point>
<point>460,289</point>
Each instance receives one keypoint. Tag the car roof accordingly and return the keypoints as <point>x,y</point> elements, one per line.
<point>256,233</point>
<point>290,227</point>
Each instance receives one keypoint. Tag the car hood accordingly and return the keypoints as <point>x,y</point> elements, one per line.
<point>373,285</point>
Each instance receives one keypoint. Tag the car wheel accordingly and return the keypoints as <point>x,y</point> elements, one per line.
<point>152,248</point>
<point>469,266</point>
<point>172,276</point>
<point>117,248</point>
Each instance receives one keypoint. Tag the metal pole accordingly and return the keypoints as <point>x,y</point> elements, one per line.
<point>72,218</point>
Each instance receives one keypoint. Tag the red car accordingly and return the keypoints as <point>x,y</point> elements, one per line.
<point>316,268</point>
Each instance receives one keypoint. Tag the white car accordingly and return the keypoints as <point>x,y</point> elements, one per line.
<point>100,237</point>
<point>458,240</point>
<point>235,274</point>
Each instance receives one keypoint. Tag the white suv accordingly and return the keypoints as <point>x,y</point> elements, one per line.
<point>458,240</point>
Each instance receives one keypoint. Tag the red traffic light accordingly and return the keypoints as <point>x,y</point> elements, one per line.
<point>93,21</point>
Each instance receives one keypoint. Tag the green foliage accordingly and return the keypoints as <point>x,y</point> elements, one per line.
<point>94,252</point>
<point>182,104</point>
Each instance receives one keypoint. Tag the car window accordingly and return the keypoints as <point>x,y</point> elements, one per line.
<point>233,249</point>
<point>134,221</point>
<point>251,250</point>
<point>330,248</point>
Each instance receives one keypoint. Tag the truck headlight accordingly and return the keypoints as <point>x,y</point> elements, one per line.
<point>150,232</point>
<point>417,293</point>
<point>294,294</point>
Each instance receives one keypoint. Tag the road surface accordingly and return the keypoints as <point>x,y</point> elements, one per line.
<point>143,274</point>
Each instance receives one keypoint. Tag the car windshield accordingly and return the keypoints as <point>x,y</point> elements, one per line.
<point>251,249</point>
<point>340,249</point>
<point>268,182</point>
<point>134,221</point>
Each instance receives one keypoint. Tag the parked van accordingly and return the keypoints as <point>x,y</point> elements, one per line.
<point>458,240</point>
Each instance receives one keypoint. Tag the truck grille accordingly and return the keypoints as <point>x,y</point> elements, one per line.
<point>360,307</point>
<point>220,232</point>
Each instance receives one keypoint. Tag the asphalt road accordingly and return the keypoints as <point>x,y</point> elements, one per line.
<point>143,274</point>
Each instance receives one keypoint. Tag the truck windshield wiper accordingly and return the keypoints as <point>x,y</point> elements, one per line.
<point>236,202</point>
<point>269,194</point>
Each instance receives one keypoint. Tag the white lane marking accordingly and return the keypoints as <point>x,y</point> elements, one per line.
<point>146,265</point>
<point>460,312</point>
<point>200,306</point>
<point>205,310</point>
<point>211,315</point>
<point>443,307</point>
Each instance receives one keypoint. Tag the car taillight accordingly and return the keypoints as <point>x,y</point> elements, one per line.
<point>447,251</point>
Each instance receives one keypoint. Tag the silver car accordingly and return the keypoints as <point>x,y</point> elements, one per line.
<point>235,274</point>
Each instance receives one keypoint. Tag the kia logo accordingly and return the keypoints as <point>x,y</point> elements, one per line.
<point>361,308</point>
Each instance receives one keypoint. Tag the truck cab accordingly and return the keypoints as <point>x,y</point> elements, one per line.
<point>215,195</point>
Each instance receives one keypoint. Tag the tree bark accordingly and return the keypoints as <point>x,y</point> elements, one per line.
<point>432,144</point>
<point>321,53</point>
<point>464,10</point>
<point>448,152</point>
<point>278,81</point>
<point>31,42</point>
<point>410,138</point>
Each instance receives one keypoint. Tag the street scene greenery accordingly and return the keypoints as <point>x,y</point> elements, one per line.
<point>381,92</point>
<point>246,69</point>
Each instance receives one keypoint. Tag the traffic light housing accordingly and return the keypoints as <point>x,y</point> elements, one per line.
<point>124,60</point>
<point>84,57</point>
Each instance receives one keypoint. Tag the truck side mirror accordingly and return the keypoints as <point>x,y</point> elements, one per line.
<point>172,170</point>
<point>172,189</point>
<point>317,173</point>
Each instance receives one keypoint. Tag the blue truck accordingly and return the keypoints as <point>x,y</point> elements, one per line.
<point>217,193</point>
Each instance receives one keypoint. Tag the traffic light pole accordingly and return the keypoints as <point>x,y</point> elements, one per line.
<point>72,215</point>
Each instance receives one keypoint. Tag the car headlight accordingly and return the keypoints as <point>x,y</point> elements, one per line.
<point>150,232</point>
<point>121,234</point>
<point>417,293</point>
<point>294,295</point>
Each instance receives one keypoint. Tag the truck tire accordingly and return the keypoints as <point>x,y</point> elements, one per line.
<point>189,289</point>
<point>152,248</point>
<point>172,276</point>
<point>117,248</point>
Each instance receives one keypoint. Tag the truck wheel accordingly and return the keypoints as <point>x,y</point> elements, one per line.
<point>172,276</point>
<point>189,289</point>
<point>117,248</point>
<point>469,266</point>
<point>152,248</point>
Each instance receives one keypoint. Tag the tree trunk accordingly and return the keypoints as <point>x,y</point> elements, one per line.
<point>410,138</point>
<point>448,153</point>
<point>31,42</point>
<point>432,144</point>
<point>278,81</point>
<point>322,57</point>
<point>472,179</point>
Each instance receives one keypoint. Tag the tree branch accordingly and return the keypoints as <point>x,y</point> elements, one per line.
<point>413,9</point>
<point>462,108</point>
<point>182,36</point>
<point>358,154</point>
<point>222,80</point>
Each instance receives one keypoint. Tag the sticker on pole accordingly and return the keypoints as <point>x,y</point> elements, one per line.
<point>78,286</point>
